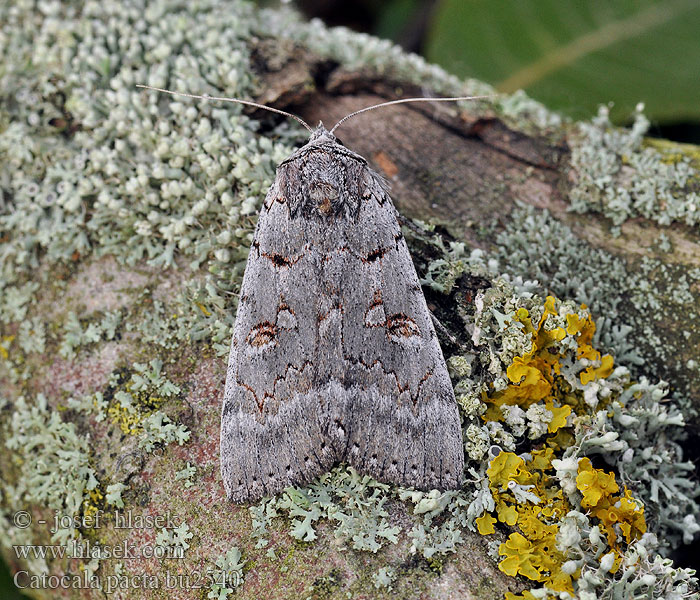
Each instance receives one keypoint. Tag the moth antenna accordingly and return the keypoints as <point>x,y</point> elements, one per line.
<point>246,102</point>
<point>403,101</point>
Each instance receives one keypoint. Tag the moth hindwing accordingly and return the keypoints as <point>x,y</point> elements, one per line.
<point>334,356</point>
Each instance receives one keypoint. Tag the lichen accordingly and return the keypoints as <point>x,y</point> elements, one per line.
<point>114,494</point>
<point>55,459</point>
<point>228,574</point>
<point>537,377</point>
<point>590,406</point>
<point>75,335</point>
<point>185,475</point>
<point>354,503</point>
<point>136,402</point>
<point>138,177</point>
<point>384,578</point>
<point>58,472</point>
<point>174,542</point>
<point>616,175</point>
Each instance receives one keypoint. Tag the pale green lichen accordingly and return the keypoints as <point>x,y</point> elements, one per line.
<point>616,175</point>
<point>159,429</point>
<point>442,273</point>
<point>54,458</point>
<point>149,380</point>
<point>354,503</point>
<point>114,494</point>
<point>185,475</point>
<point>136,403</point>
<point>174,542</point>
<point>32,336</point>
<point>644,435</point>
<point>75,335</point>
<point>57,472</point>
<point>228,574</point>
<point>144,177</point>
<point>430,538</point>
<point>384,578</point>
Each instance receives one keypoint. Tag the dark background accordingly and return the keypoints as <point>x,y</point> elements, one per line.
<point>628,51</point>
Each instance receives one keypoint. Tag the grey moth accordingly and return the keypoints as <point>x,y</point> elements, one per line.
<point>334,357</point>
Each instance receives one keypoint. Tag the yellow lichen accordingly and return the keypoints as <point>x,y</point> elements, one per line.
<point>129,422</point>
<point>485,524</point>
<point>622,513</point>
<point>204,309</point>
<point>129,417</point>
<point>532,551</point>
<point>519,556</point>
<point>559,416</point>
<point>594,484</point>
<point>524,596</point>
<point>92,503</point>
<point>585,329</point>
<point>506,467</point>
<point>506,513</point>
<point>534,375</point>
<point>526,494</point>
<point>5,342</point>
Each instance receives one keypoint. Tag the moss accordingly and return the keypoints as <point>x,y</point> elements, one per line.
<point>324,587</point>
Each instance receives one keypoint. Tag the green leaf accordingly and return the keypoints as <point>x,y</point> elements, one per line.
<point>393,16</point>
<point>574,55</point>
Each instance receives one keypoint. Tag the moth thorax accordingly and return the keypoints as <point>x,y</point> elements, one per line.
<point>324,197</point>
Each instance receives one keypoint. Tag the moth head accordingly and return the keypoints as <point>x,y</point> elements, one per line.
<point>321,136</point>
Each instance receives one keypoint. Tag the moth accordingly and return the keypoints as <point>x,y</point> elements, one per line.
<point>334,357</point>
